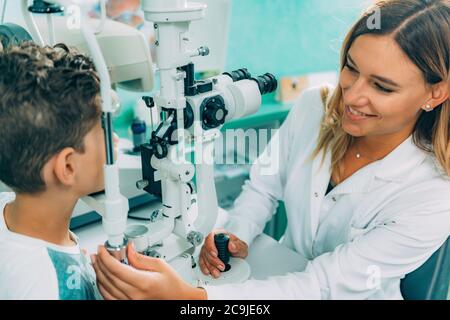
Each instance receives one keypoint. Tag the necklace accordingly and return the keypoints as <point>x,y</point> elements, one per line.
<point>359,155</point>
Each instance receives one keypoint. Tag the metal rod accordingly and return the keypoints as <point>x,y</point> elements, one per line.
<point>109,145</point>
<point>3,11</point>
<point>51,30</point>
<point>29,20</point>
<point>102,18</point>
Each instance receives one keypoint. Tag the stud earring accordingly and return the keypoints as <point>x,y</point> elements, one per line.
<point>428,108</point>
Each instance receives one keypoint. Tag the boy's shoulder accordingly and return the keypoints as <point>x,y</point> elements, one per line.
<point>25,272</point>
<point>6,197</point>
<point>29,271</point>
<point>31,268</point>
<point>7,194</point>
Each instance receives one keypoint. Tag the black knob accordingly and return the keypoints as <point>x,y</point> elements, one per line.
<point>221,241</point>
<point>149,102</point>
<point>40,6</point>
<point>214,113</point>
<point>159,147</point>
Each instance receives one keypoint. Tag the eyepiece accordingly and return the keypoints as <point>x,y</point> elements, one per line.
<point>267,83</point>
<point>239,74</point>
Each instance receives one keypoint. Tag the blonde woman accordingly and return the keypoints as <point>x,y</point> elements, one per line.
<point>365,179</point>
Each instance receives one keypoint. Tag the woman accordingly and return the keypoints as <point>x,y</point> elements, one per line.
<point>365,181</point>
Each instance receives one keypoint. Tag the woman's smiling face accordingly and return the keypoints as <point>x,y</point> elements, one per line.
<point>383,90</point>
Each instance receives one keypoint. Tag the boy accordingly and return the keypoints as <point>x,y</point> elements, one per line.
<point>51,154</point>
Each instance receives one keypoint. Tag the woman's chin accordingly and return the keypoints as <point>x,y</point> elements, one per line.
<point>353,130</point>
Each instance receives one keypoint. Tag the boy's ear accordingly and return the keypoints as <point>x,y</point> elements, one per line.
<point>64,167</point>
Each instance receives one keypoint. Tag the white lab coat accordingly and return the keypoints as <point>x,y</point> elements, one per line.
<point>361,239</point>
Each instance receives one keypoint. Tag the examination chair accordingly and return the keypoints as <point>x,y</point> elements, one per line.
<point>431,280</point>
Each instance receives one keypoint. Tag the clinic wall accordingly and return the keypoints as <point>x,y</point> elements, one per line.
<point>286,37</point>
<point>289,37</point>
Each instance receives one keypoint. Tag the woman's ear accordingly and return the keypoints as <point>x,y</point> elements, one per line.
<point>439,94</point>
<point>65,167</point>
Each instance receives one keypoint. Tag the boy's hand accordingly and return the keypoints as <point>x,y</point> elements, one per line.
<point>209,262</point>
<point>144,278</point>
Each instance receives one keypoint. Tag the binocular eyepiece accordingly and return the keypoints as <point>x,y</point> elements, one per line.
<point>239,74</point>
<point>267,82</point>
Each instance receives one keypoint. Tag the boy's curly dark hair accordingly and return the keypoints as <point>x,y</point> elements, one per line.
<point>49,100</point>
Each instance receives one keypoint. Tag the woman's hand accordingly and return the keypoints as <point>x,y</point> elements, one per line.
<point>209,262</point>
<point>145,278</point>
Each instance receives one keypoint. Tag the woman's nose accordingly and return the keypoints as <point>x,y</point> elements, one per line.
<point>355,94</point>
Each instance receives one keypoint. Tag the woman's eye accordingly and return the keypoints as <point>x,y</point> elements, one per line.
<point>351,68</point>
<point>383,89</point>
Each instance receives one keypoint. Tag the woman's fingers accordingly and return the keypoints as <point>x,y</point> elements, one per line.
<point>211,260</point>
<point>142,262</point>
<point>212,269</point>
<point>214,261</point>
<point>237,247</point>
<point>119,270</point>
<point>209,245</point>
<point>203,266</point>
<point>114,285</point>
<point>119,281</point>
<point>104,285</point>
<point>106,295</point>
<point>232,247</point>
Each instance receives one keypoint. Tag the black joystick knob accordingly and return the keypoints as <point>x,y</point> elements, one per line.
<point>221,241</point>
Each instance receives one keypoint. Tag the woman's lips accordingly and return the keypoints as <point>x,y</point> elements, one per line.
<point>356,115</point>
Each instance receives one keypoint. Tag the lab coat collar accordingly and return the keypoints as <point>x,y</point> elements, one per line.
<point>399,164</point>
<point>395,167</point>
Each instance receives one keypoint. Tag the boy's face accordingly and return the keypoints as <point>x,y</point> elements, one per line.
<point>82,172</point>
<point>91,162</point>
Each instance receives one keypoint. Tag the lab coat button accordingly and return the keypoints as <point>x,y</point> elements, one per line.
<point>334,198</point>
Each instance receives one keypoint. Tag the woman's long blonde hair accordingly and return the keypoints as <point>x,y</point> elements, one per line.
<point>422,30</point>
